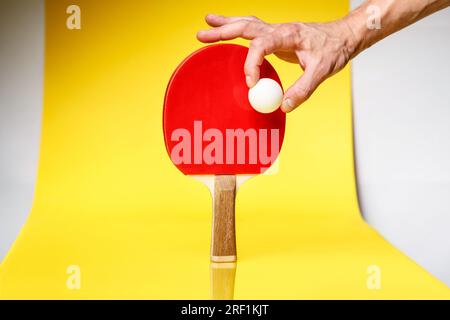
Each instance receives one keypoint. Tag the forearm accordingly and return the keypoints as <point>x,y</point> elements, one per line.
<point>392,15</point>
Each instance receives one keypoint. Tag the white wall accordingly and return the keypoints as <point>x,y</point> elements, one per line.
<point>21,77</point>
<point>401,101</point>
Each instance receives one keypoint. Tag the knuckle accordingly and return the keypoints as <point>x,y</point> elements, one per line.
<point>257,43</point>
<point>269,44</point>
<point>244,24</point>
<point>248,69</point>
<point>287,29</point>
<point>303,92</point>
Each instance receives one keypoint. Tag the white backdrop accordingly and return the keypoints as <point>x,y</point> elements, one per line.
<point>21,80</point>
<point>401,103</point>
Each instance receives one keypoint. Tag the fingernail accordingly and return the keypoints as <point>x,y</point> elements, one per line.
<point>287,105</point>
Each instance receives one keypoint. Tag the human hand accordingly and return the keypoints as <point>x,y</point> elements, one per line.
<point>321,49</point>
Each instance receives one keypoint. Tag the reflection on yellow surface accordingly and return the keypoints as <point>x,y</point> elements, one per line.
<point>113,218</point>
<point>222,280</point>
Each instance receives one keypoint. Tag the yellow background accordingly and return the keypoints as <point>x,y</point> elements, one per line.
<point>109,200</point>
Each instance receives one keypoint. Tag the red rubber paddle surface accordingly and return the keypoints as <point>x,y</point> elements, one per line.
<point>206,112</point>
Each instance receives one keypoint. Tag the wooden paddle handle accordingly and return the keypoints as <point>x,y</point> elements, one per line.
<point>223,244</point>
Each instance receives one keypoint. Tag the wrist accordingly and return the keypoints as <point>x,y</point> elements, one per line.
<point>357,31</point>
<point>353,32</point>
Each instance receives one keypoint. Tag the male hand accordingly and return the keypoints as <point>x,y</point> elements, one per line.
<point>321,49</point>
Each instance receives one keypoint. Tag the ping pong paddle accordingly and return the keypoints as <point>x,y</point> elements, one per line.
<point>212,133</point>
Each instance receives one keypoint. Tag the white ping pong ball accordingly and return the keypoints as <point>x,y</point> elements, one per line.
<point>265,96</point>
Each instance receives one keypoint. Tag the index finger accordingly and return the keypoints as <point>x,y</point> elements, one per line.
<point>240,29</point>
<point>215,20</point>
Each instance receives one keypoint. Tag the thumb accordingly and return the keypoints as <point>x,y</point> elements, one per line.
<point>300,91</point>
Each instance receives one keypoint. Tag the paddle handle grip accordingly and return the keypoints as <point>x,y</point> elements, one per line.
<point>223,242</point>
